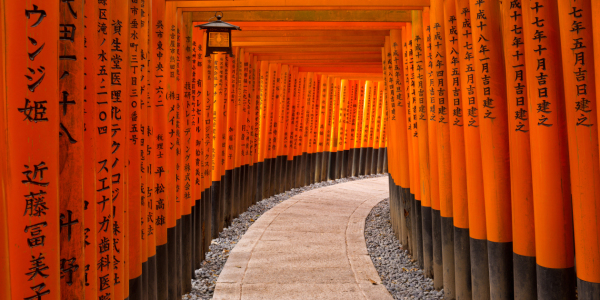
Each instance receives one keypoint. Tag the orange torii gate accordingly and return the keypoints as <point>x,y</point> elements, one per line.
<point>128,149</point>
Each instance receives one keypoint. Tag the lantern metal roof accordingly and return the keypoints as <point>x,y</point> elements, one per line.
<point>218,24</point>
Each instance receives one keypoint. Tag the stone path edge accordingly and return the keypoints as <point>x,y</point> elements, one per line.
<point>229,283</point>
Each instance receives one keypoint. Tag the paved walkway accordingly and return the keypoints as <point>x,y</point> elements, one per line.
<point>311,246</point>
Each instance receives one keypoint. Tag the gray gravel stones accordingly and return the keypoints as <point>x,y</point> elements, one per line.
<point>203,287</point>
<point>399,274</point>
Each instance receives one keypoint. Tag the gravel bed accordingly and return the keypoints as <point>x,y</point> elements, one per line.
<point>398,271</point>
<point>204,286</point>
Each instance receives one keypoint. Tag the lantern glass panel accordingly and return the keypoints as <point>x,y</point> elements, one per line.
<point>218,39</point>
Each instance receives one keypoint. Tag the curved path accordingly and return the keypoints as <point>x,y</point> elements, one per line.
<point>310,246</point>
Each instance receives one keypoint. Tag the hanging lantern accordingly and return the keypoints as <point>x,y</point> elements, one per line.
<point>218,35</point>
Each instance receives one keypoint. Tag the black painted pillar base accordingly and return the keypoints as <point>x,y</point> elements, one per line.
<point>179,258</point>
<point>368,159</point>
<point>227,186</point>
<point>136,285</point>
<point>207,220</point>
<point>317,165</point>
<point>259,181</point>
<point>554,284</point>
<point>162,270</point>
<point>152,284</point>
<point>480,274</point>
<point>350,165</point>
<point>588,290</point>
<point>374,159</point>
<point>404,196</point>
<point>447,231</point>
<point>199,237</point>
<point>215,191</point>
<point>427,241</point>
<point>344,163</point>
<point>186,254</point>
<point>266,193</point>
<point>290,174</point>
<point>172,270</point>
<point>222,203</point>
<point>462,263</point>
<point>338,164</point>
<point>436,238</point>
<point>274,176</point>
<point>419,233</point>
<point>324,165</point>
<point>384,167</point>
<point>525,279</point>
<point>331,168</point>
<point>500,258</point>
<point>355,161</point>
<point>236,193</point>
<point>413,226</point>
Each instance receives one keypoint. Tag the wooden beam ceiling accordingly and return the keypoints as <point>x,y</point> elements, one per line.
<point>299,4</point>
<point>308,15</point>
<point>342,41</point>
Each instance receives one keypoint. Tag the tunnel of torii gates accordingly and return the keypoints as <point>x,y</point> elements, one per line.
<point>125,149</point>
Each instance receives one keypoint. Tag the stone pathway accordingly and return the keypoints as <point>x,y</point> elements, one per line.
<point>311,246</point>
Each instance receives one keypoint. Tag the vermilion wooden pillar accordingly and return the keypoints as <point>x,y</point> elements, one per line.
<point>5,283</point>
<point>315,127</point>
<point>218,149</point>
<point>71,145</point>
<point>351,137</point>
<point>388,77</point>
<point>460,208</point>
<point>398,115</point>
<point>525,285</point>
<point>341,120</point>
<point>300,128</point>
<point>421,115</point>
<point>185,173</point>
<point>473,116</point>
<point>208,138</point>
<point>417,204</point>
<point>104,180</point>
<point>273,122</point>
<point>440,98</point>
<point>493,121</point>
<point>549,151</point>
<point>328,124</point>
<point>239,134</point>
<point>432,128</point>
<point>364,140</point>
<point>157,117</point>
<point>89,139</point>
<point>289,125</point>
<point>322,91</point>
<point>150,220</point>
<point>409,203</point>
<point>31,118</point>
<point>262,102</point>
<point>376,124</point>
<point>230,133</point>
<point>134,137</point>
<point>119,98</point>
<point>582,125</point>
<point>372,125</point>
<point>307,128</point>
<point>281,128</point>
